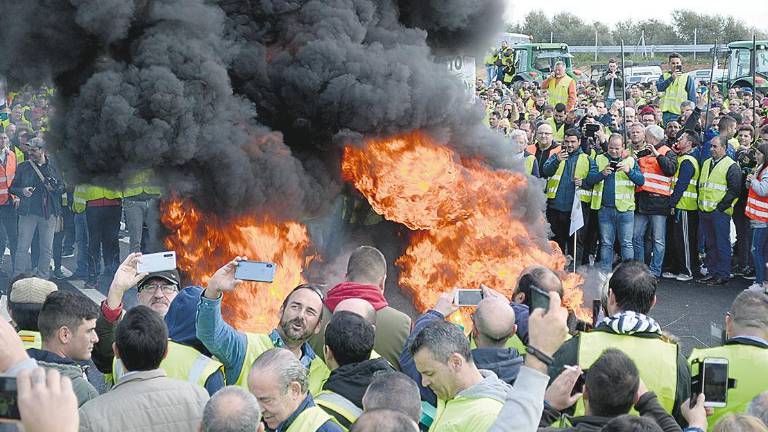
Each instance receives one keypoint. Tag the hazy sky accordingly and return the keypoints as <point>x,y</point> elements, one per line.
<point>752,12</point>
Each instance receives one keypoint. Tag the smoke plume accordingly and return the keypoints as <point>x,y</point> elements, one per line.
<point>243,105</point>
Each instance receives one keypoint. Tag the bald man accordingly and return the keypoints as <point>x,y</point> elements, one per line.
<point>383,420</point>
<point>544,145</point>
<point>360,307</point>
<point>494,324</point>
<point>540,277</point>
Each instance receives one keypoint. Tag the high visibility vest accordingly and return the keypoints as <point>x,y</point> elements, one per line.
<point>557,91</point>
<point>757,206</point>
<point>465,414</point>
<point>712,186</point>
<point>559,134</point>
<point>656,361</point>
<point>746,364</point>
<point>86,192</point>
<point>141,182</point>
<point>30,339</point>
<point>624,198</point>
<point>675,94</point>
<point>336,404</point>
<point>552,150</point>
<point>655,180</point>
<point>530,160</point>
<point>7,174</point>
<point>513,342</point>
<point>309,420</point>
<point>258,344</point>
<point>582,171</point>
<point>689,200</point>
<point>19,155</point>
<point>319,373</point>
<point>182,363</point>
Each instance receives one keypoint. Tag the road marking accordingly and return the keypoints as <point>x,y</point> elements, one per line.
<point>92,294</point>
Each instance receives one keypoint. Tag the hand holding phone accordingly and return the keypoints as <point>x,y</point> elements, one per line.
<point>156,262</point>
<point>714,379</point>
<point>539,299</point>
<point>9,407</point>
<point>255,271</point>
<point>467,297</point>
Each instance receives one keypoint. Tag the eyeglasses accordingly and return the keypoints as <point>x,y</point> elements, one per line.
<point>167,289</point>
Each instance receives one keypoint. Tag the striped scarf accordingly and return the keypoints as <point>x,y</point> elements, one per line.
<point>629,322</point>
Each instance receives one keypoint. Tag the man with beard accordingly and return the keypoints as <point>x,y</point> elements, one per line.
<point>300,316</point>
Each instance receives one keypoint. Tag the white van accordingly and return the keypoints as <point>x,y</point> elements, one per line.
<point>642,74</point>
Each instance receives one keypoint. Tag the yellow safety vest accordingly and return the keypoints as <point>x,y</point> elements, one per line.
<point>746,364</point>
<point>182,363</point>
<point>689,200</point>
<point>319,373</point>
<point>557,91</point>
<point>513,342</point>
<point>465,414</point>
<point>675,94</point>
<point>141,182</point>
<point>712,186</point>
<point>624,198</point>
<point>332,403</point>
<point>258,344</point>
<point>559,134</point>
<point>529,161</point>
<point>86,192</point>
<point>655,359</point>
<point>31,339</point>
<point>582,171</point>
<point>19,155</point>
<point>309,420</point>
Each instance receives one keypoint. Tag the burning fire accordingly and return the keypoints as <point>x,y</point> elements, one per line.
<point>204,242</point>
<point>462,211</point>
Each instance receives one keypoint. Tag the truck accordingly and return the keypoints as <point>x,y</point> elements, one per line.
<point>535,61</point>
<point>740,64</point>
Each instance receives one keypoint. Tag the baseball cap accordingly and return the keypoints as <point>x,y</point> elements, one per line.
<point>171,276</point>
<point>746,90</point>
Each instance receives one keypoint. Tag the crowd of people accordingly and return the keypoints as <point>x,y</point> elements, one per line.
<point>670,174</point>
<point>46,218</point>
<point>345,360</point>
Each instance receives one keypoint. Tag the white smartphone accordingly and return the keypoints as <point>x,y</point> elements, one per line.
<point>255,271</point>
<point>467,297</point>
<point>714,378</point>
<point>157,262</point>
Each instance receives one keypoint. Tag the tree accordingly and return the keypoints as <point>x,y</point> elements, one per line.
<point>570,29</point>
<point>537,25</point>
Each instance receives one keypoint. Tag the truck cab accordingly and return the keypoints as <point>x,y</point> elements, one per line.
<point>533,62</point>
<point>740,64</point>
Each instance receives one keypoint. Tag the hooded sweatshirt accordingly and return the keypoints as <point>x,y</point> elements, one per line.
<point>351,380</point>
<point>473,409</point>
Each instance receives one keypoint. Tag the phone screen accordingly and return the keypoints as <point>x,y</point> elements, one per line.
<point>468,297</point>
<point>715,382</point>
<point>9,409</point>
<point>255,271</point>
<point>157,262</point>
<point>539,299</point>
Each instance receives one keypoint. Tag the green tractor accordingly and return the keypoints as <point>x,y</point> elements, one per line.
<point>533,62</point>
<point>740,65</point>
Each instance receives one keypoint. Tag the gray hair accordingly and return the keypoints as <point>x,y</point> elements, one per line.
<point>655,131</point>
<point>285,365</point>
<point>559,62</point>
<point>393,391</point>
<point>231,409</point>
<point>519,134</point>
<point>759,407</point>
<point>686,105</point>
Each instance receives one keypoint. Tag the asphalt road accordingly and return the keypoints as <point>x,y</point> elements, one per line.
<point>686,310</point>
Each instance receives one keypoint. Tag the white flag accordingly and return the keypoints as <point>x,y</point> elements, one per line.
<point>577,219</point>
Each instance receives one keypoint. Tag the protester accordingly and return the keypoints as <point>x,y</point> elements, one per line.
<point>759,407</point>
<point>25,301</point>
<point>232,409</point>
<point>534,276</point>
<point>560,87</point>
<point>141,197</point>
<point>103,209</point>
<point>612,83</point>
<point>384,420</point>
<point>280,383</point>
<point>677,87</point>
<point>393,391</point>
<point>8,202</point>
<point>145,399</point>
<point>757,212</point>
<point>739,423</point>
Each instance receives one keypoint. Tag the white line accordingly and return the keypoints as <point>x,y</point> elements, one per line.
<point>92,294</point>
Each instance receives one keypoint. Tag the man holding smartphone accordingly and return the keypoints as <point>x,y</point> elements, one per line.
<point>677,87</point>
<point>746,350</point>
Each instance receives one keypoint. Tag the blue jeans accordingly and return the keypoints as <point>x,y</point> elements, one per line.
<point>491,70</point>
<point>81,240</point>
<point>614,223</point>
<point>759,252</point>
<point>716,227</point>
<point>658,225</point>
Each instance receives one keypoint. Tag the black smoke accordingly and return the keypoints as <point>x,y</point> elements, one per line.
<point>244,105</point>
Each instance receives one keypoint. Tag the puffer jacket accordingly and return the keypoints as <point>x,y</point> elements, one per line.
<point>83,389</point>
<point>177,406</point>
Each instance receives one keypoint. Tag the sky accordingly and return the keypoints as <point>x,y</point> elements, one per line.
<point>752,12</point>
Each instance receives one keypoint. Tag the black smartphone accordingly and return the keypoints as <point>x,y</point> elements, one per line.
<point>539,299</point>
<point>591,129</point>
<point>578,387</point>
<point>9,409</point>
<point>614,164</point>
<point>679,68</point>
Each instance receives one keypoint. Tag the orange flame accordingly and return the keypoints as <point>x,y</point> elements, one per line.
<point>463,211</point>
<point>204,242</point>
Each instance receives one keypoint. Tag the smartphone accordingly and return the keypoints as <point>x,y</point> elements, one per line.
<point>614,164</point>
<point>9,409</point>
<point>539,299</point>
<point>578,386</point>
<point>679,68</point>
<point>714,379</point>
<point>467,297</point>
<point>255,271</point>
<point>157,262</point>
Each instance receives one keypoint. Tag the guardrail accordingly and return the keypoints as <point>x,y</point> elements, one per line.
<point>648,49</point>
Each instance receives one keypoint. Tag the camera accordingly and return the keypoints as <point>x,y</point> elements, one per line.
<point>643,153</point>
<point>747,160</point>
<point>591,129</point>
<point>678,68</point>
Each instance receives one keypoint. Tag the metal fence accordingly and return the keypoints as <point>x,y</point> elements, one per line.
<point>648,50</point>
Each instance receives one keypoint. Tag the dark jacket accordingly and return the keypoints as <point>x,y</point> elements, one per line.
<point>43,202</point>
<point>351,381</point>
<point>655,204</point>
<point>618,84</point>
<point>504,362</point>
<point>69,368</point>
<point>648,406</point>
<point>521,320</point>
<point>568,354</point>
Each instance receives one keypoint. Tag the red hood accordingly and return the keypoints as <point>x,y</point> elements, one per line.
<point>346,290</point>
